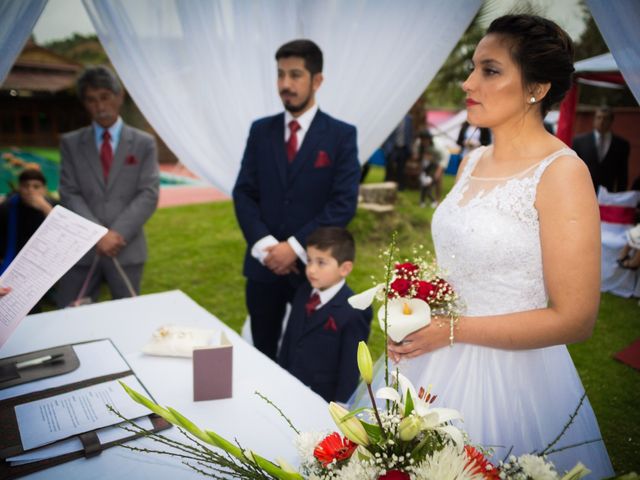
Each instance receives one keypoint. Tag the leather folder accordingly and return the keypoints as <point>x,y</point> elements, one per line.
<point>10,443</point>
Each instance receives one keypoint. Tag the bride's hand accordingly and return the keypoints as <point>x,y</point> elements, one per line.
<point>427,339</point>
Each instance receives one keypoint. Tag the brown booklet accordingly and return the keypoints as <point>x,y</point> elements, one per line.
<point>41,366</point>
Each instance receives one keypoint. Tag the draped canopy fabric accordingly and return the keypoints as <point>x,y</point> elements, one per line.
<point>618,22</point>
<point>17,19</point>
<point>202,70</point>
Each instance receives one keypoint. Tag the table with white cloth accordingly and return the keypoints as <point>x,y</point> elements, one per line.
<point>244,417</point>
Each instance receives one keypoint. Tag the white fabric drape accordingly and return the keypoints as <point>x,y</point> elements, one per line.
<point>618,22</point>
<point>202,70</point>
<point>17,19</point>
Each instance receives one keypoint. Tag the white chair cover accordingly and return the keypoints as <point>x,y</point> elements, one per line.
<point>614,279</point>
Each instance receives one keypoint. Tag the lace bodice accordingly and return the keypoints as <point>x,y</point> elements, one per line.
<point>486,237</point>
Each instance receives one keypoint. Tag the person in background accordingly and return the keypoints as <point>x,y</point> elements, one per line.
<point>630,253</point>
<point>397,150</point>
<point>471,137</point>
<point>431,161</point>
<point>109,174</point>
<point>321,339</point>
<point>606,154</point>
<point>22,213</point>
<point>299,171</point>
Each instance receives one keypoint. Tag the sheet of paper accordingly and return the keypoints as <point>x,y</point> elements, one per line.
<point>55,418</point>
<point>97,359</point>
<point>62,239</point>
<point>70,445</point>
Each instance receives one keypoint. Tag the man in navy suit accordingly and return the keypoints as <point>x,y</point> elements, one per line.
<point>320,343</point>
<point>299,171</point>
<point>606,154</point>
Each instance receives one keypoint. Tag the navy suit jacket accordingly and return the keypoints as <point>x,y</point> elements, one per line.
<point>321,357</point>
<point>612,170</point>
<point>319,188</point>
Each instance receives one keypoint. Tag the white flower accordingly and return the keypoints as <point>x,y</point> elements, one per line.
<point>364,300</point>
<point>447,464</point>
<point>356,470</point>
<point>432,418</point>
<point>405,316</point>
<point>536,468</point>
<point>306,443</point>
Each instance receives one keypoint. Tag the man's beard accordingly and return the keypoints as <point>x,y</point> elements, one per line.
<point>298,108</point>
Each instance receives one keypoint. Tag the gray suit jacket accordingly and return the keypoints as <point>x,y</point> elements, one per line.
<point>129,198</point>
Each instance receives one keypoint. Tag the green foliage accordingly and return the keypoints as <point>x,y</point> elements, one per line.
<point>84,49</point>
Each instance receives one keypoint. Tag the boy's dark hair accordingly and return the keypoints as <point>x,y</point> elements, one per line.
<point>305,49</point>
<point>32,174</point>
<point>336,240</point>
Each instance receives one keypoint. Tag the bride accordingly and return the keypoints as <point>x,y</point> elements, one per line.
<point>519,238</point>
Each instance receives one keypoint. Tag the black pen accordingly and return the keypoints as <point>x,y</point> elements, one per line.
<point>34,362</point>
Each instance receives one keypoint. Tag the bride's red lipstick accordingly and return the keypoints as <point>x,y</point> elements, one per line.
<point>471,102</point>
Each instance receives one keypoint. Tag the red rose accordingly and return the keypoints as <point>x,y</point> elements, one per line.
<point>400,286</point>
<point>425,290</point>
<point>406,268</point>
<point>394,475</point>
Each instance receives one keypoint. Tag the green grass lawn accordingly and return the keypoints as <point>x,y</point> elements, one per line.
<point>199,249</point>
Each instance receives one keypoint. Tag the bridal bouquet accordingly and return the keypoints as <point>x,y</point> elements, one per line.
<point>412,291</point>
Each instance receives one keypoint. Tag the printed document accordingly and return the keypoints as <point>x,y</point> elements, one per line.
<point>54,418</point>
<point>62,239</point>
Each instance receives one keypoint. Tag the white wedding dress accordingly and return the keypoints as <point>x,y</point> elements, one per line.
<point>486,236</point>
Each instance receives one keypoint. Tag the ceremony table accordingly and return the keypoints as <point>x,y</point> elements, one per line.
<point>245,417</point>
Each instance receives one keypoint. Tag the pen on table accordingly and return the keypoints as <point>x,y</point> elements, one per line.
<point>39,361</point>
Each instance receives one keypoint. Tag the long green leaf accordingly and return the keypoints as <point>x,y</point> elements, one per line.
<point>154,407</point>
<point>189,426</point>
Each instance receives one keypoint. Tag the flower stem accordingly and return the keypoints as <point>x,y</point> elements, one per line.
<point>279,411</point>
<point>375,410</point>
<point>387,282</point>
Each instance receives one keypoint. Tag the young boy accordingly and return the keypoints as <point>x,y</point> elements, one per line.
<point>321,339</point>
<point>22,213</point>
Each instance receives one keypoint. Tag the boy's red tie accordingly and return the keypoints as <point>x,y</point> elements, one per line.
<point>312,303</point>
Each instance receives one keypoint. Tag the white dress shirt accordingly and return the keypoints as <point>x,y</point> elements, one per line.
<point>258,250</point>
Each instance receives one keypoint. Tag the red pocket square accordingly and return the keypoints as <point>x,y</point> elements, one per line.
<point>331,325</point>
<point>322,160</point>
<point>131,160</point>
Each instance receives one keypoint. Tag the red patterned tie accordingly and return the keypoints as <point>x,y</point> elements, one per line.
<point>106,154</point>
<point>312,303</point>
<point>292,143</point>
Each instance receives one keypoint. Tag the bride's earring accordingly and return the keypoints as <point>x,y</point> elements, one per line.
<point>532,100</point>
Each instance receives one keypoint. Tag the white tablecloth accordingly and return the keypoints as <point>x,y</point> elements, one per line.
<point>245,417</point>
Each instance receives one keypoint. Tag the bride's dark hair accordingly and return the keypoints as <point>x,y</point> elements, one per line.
<point>542,50</point>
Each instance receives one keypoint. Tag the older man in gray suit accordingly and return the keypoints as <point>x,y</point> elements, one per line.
<point>109,175</point>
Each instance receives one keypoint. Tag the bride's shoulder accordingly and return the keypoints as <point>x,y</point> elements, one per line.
<point>565,166</point>
<point>565,178</point>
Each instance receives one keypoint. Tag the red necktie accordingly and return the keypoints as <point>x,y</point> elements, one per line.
<point>292,143</point>
<point>106,154</point>
<point>312,303</point>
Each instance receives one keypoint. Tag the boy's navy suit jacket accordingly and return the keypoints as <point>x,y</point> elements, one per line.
<point>321,350</point>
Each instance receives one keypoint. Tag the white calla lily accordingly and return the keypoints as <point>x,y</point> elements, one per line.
<point>363,300</point>
<point>405,316</point>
